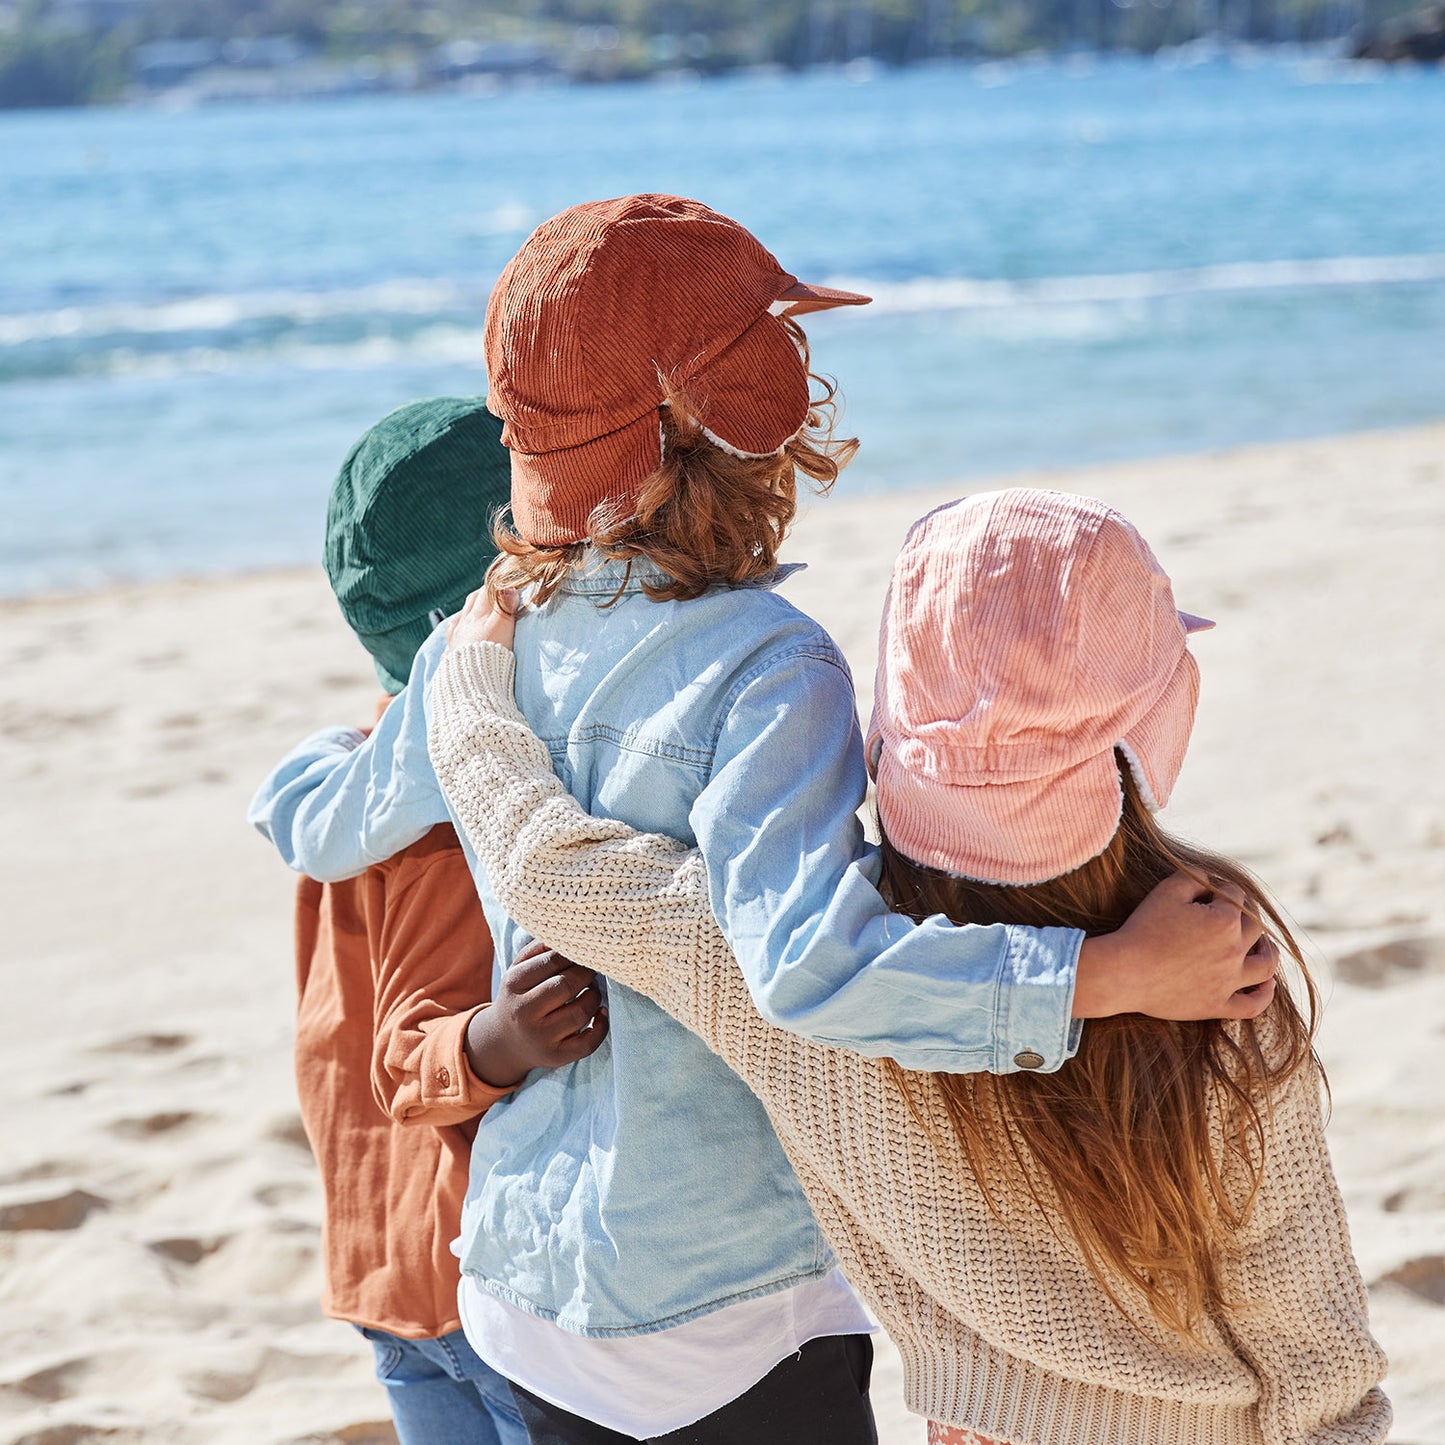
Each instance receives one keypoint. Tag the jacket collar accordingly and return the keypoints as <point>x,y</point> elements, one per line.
<point>606,576</point>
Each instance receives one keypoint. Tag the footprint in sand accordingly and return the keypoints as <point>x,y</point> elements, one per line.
<point>1399,961</point>
<point>278,1196</point>
<point>1415,1199</point>
<point>151,1126</point>
<point>50,1211</point>
<point>185,1249</point>
<point>1423,1277</point>
<point>53,1383</point>
<point>226,1383</point>
<point>154,1043</point>
<point>45,1169</point>
<point>78,1434</point>
<point>290,1130</point>
<point>364,1432</point>
<point>275,1261</point>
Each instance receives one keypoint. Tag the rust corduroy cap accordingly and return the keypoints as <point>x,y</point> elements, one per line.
<point>1027,634</point>
<point>605,305</point>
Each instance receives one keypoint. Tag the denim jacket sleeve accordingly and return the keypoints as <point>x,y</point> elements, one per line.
<point>333,807</point>
<point>793,885</point>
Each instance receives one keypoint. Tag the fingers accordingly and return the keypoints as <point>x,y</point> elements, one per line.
<point>1249,1004</point>
<point>468,612</point>
<point>580,1045</point>
<point>536,964</point>
<point>1231,893</point>
<point>556,996</point>
<point>575,1015</point>
<point>479,621</point>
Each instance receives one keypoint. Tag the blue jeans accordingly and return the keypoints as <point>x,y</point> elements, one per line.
<point>441,1393</point>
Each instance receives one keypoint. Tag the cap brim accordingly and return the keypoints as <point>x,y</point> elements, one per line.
<point>554,494</point>
<point>1195,624</point>
<point>805,298</point>
<point>1017,832</point>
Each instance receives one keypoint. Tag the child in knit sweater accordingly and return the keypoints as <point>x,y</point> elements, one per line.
<point>1148,1245</point>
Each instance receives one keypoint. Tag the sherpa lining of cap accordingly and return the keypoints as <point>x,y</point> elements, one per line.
<point>733,451</point>
<point>1141,781</point>
<point>720,444</point>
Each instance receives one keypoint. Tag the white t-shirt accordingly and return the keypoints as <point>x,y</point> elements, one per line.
<point>646,1385</point>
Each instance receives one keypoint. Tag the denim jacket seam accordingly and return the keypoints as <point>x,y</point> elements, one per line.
<point>665,1322</point>
<point>629,742</point>
<point>1003,1008</point>
<point>815,648</point>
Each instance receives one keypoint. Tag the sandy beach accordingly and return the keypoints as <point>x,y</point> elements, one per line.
<point>159,1212</point>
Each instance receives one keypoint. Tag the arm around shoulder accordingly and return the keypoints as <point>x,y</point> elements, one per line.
<point>794,888</point>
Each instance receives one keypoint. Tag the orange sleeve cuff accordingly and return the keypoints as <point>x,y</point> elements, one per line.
<point>450,1091</point>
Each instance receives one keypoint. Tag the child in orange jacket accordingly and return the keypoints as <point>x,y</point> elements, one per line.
<point>396,1026</point>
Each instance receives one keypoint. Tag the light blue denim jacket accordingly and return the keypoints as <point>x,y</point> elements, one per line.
<point>643,1186</point>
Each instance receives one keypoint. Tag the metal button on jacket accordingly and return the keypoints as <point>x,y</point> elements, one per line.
<point>1029,1060</point>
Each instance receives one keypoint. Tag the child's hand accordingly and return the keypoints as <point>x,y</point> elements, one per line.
<point>480,622</point>
<point>548,1012</point>
<point>1188,951</point>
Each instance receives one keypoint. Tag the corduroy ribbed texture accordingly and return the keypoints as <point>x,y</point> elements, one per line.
<point>1027,634</point>
<point>1001,1327</point>
<point>409,523</point>
<point>605,305</point>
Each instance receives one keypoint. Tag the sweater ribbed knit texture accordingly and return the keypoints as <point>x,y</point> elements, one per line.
<point>1001,1327</point>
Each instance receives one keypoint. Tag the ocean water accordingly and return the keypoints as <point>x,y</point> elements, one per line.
<point>200,311</point>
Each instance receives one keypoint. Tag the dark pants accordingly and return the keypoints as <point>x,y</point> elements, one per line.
<point>817,1397</point>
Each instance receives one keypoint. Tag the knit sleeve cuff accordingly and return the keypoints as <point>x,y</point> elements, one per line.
<point>480,671</point>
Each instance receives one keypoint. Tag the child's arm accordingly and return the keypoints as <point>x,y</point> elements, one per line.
<point>839,967</point>
<point>957,999</point>
<point>336,804</point>
<point>444,1052</point>
<point>431,976</point>
<point>1298,1313</point>
<point>635,905</point>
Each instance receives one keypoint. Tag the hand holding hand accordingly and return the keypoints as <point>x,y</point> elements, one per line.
<point>1188,951</point>
<point>547,1012</point>
<point>479,621</point>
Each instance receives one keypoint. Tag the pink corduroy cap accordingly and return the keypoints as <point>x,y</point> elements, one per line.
<point>1027,634</point>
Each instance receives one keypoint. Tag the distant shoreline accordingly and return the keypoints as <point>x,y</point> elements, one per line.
<point>900,505</point>
<point>322,79</point>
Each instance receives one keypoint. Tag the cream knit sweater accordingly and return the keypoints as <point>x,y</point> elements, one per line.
<point>1001,1327</point>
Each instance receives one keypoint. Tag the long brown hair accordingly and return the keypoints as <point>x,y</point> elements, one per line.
<point>705,517</point>
<point>1137,1146</point>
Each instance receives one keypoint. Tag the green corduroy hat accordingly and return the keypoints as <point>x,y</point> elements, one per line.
<point>409,524</point>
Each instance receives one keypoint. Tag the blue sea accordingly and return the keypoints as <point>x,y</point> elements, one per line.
<point>1073,261</point>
